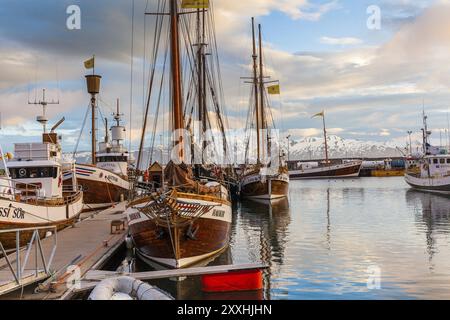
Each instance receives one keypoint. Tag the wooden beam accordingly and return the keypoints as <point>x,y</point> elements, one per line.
<point>98,275</point>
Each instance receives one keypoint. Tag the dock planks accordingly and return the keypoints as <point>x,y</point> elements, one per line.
<point>87,238</point>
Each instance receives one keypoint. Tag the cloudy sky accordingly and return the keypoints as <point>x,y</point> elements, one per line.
<point>372,83</point>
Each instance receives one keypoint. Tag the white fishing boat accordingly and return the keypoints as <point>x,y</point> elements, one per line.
<point>433,172</point>
<point>104,181</point>
<point>31,188</point>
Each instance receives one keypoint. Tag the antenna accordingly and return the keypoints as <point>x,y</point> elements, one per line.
<point>43,118</point>
<point>117,115</point>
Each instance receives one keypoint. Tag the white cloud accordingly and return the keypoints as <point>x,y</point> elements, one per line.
<point>340,41</point>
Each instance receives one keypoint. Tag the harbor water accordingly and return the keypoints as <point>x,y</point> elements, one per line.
<point>368,238</point>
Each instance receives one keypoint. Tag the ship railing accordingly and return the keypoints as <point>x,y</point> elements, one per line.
<point>14,189</point>
<point>75,193</point>
<point>42,261</point>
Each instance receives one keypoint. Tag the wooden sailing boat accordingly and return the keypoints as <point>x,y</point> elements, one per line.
<point>31,190</point>
<point>326,169</point>
<point>105,180</point>
<point>255,184</point>
<point>188,221</point>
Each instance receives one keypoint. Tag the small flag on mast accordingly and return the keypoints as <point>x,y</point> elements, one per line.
<point>195,4</point>
<point>320,114</point>
<point>89,64</point>
<point>274,89</point>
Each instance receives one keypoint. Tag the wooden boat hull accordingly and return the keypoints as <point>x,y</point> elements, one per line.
<point>346,170</point>
<point>15,215</point>
<point>270,188</point>
<point>101,187</point>
<point>155,243</point>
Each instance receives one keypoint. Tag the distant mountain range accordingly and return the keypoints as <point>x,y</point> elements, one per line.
<point>311,148</point>
<point>314,148</point>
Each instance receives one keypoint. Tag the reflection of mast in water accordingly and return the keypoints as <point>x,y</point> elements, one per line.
<point>434,215</point>
<point>328,234</point>
<point>273,221</point>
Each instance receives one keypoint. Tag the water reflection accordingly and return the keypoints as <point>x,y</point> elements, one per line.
<point>270,222</point>
<point>432,216</point>
<point>320,244</point>
<point>328,234</point>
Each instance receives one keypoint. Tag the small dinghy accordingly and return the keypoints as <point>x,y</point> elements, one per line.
<point>127,288</point>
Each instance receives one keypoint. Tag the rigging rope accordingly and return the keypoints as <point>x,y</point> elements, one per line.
<point>81,132</point>
<point>131,74</point>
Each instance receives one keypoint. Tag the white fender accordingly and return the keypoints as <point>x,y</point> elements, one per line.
<point>127,288</point>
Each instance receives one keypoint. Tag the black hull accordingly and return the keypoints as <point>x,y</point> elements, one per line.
<point>334,172</point>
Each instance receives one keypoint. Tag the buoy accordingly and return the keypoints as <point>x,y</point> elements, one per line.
<point>127,288</point>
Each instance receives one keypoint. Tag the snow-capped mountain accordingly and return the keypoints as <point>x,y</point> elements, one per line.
<point>314,148</point>
<point>310,148</point>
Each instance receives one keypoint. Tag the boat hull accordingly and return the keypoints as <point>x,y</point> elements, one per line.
<point>351,170</point>
<point>155,243</point>
<point>388,173</point>
<point>435,185</point>
<point>15,215</point>
<point>101,187</point>
<point>270,188</point>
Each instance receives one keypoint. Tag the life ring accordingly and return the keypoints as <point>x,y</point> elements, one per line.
<point>127,288</point>
<point>22,172</point>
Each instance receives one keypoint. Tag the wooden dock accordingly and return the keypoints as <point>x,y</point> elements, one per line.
<point>81,248</point>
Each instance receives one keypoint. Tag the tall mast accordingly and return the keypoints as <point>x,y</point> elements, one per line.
<point>262,88</point>
<point>177,104</point>
<point>325,137</point>
<point>201,69</point>
<point>203,44</point>
<point>255,83</point>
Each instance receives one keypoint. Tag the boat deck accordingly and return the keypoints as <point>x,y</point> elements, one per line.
<point>86,246</point>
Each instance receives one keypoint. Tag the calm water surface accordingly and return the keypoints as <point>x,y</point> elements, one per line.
<point>323,243</point>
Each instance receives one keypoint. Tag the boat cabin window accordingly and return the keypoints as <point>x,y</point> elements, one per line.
<point>435,161</point>
<point>112,159</point>
<point>448,160</point>
<point>33,172</point>
<point>442,161</point>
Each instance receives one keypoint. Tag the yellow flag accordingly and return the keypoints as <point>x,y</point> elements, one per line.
<point>274,89</point>
<point>89,64</point>
<point>195,4</point>
<point>320,114</point>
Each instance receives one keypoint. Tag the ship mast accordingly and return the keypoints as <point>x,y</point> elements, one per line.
<point>256,89</point>
<point>93,88</point>
<point>262,90</point>
<point>44,103</point>
<point>201,73</point>
<point>325,137</point>
<point>177,103</point>
<point>426,133</point>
